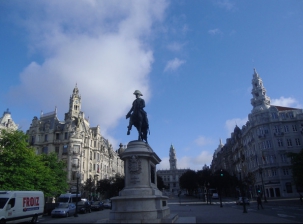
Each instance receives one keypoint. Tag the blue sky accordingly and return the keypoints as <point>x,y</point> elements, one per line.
<point>192,60</point>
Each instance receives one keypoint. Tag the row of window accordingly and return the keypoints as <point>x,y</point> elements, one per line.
<point>275,172</point>
<point>289,142</point>
<point>101,176</point>
<point>267,144</point>
<point>261,131</point>
<point>92,167</point>
<point>264,159</point>
<point>167,178</point>
<point>274,115</point>
<point>46,137</point>
<point>285,128</point>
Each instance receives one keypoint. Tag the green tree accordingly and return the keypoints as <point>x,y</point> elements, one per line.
<point>203,177</point>
<point>224,182</point>
<point>297,167</point>
<point>160,183</point>
<point>110,187</point>
<point>22,169</point>
<point>55,178</point>
<point>188,181</point>
<point>117,184</point>
<point>89,185</point>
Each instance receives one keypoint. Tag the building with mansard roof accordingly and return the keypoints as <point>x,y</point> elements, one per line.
<point>6,121</point>
<point>260,147</point>
<point>82,147</point>
<point>171,177</point>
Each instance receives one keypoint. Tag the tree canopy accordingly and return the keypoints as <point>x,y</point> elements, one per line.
<point>160,183</point>
<point>22,169</point>
<point>110,187</point>
<point>188,181</point>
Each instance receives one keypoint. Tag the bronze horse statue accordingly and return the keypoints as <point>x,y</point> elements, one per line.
<point>138,117</point>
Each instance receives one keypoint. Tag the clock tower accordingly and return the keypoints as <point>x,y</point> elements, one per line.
<point>75,103</point>
<point>172,158</point>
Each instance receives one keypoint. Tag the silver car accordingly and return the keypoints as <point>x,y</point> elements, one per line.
<point>64,210</point>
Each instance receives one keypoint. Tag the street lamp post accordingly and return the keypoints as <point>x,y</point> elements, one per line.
<point>242,194</point>
<point>78,177</point>
<point>220,188</point>
<point>209,197</point>
<point>261,171</point>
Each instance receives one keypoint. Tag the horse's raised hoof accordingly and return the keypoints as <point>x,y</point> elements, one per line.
<point>128,132</point>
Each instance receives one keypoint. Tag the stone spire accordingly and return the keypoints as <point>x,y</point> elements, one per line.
<point>172,158</point>
<point>75,103</point>
<point>259,101</point>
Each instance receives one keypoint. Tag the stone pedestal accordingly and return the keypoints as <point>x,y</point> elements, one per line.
<point>140,201</point>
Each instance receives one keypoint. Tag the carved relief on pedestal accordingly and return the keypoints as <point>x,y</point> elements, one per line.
<point>134,168</point>
<point>134,165</point>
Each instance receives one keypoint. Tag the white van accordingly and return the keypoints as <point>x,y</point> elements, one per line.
<point>21,206</point>
<point>69,198</point>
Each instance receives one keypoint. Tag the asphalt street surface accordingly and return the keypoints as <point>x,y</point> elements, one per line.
<point>275,211</point>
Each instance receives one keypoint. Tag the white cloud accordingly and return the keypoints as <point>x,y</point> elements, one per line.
<point>175,46</point>
<point>195,162</point>
<point>164,164</point>
<point>189,162</point>
<point>201,140</point>
<point>286,102</point>
<point>226,4</point>
<point>107,54</point>
<point>173,65</point>
<point>214,31</point>
<point>231,124</point>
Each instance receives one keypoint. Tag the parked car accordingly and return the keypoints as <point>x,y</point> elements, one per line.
<point>215,195</point>
<point>97,206</point>
<point>49,207</point>
<point>84,206</point>
<point>64,210</point>
<point>240,201</point>
<point>107,204</point>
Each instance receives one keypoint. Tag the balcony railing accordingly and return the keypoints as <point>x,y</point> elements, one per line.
<point>57,141</point>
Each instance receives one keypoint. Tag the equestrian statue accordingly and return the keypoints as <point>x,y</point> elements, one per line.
<point>138,117</point>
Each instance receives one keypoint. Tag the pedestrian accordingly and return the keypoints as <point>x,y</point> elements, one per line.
<point>259,201</point>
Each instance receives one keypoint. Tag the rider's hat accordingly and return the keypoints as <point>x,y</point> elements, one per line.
<point>138,92</point>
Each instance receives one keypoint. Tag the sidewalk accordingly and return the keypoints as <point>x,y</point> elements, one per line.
<point>215,214</point>
<point>192,210</point>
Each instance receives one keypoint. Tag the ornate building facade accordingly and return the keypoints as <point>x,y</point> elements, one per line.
<point>83,148</point>
<point>171,177</point>
<point>260,147</point>
<point>6,121</point>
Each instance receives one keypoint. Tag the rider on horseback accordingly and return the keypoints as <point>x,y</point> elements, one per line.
<point>138,112</point>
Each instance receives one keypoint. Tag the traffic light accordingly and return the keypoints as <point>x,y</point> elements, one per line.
<point>221,174</point>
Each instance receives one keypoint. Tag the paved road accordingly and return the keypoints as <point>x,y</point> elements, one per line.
<point>192,210</point>
<point>275,211</point>
<point>93,217</point>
